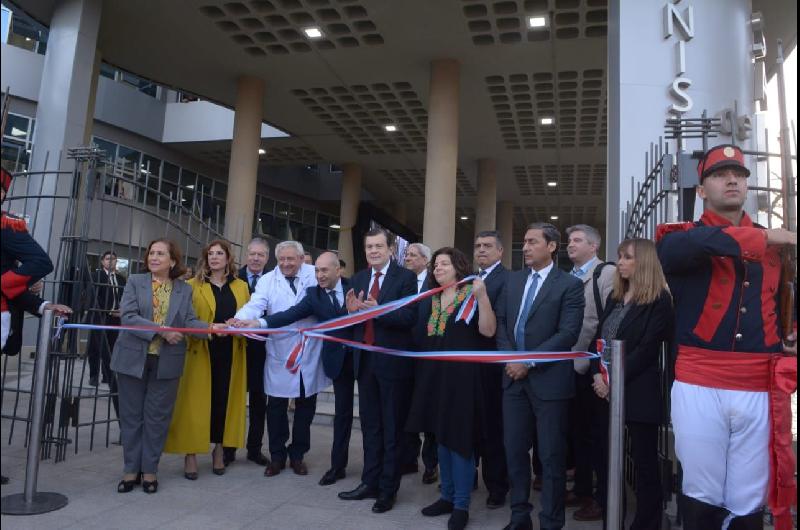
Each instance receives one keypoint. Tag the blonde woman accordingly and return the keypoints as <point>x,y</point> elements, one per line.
<point>212,392</point>
<point>639,312</point>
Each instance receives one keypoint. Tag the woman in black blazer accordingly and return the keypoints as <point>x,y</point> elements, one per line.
<point>639,312</point>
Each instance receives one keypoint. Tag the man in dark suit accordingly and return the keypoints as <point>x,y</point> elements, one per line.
<point>255,268</point>
<point>383,380</point>
<point>541,309</point>
<point>416,259</point>
<point>326,301</point>
<point>108,285</point>
<point>488,250</point>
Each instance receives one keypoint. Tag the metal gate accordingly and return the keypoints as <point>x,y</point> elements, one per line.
<point>77,215</point>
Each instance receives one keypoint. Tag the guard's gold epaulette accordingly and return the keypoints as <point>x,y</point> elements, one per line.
<point>668,228</point>
<point>12,222</point>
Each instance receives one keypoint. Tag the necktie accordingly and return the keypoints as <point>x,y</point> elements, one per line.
<point>253,281</point>
<point>519,333</point>
<point>291,280</point>
<point>112,278</point>
<point>577,272</point>
<point>369,327</point>
<point>335,301</point>
<point>481,273</point>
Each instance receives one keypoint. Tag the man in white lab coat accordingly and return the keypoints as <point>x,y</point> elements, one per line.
<point>277,291</point>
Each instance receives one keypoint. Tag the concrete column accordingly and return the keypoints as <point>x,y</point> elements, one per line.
<point>243,169</point>
<point>62,110</point>
<point>486,212</point>
<point>439,221</point>
<point>505,225</point>
<point>351,196</point>
<point>87,133</point>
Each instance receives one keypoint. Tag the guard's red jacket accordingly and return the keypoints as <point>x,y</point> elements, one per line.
<point>22,261</point>
<point>725,282</point>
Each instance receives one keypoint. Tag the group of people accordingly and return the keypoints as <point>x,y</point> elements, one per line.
<point>707,289</point>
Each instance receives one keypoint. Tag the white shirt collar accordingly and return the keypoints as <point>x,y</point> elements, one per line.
<point>544,272</point>
<point>422,275</point>
<point>338,287</point>
<point>383,270</point>
<point>490,268</point>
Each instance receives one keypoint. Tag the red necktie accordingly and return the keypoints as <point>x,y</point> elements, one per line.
<point>369,327</point>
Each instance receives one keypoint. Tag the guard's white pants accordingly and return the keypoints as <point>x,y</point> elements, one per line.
<point>721,440</point>
<point>5,327</point>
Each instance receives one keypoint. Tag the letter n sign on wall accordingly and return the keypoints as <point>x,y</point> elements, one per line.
<point>679,89</point>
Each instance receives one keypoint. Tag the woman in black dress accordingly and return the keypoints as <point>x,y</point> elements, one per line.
<point>449,402</point>
<point>639,312</point>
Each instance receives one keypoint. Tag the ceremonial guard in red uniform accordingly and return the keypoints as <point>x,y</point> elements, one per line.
<point>734,373</point>
<point>22,261</point>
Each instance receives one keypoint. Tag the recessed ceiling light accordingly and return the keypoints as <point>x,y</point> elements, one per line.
<point>464,218</point>
<point>190,187</point>
<point>537,21</point>
<point>335,227</point>
<point>390,128</point>
<point>262,151</point>
<point>554,218</point>
<point>546,121</point>
<point>552,184</point>
<point>313,33</point>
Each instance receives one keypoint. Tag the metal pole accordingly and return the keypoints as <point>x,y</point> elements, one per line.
<point>616,436</point>
<point>32,502</point>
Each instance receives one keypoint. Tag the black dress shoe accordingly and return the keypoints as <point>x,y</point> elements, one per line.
<point>430,475</point>
<point>331,476</point>
<point>384,503</point>
<point>228,455</point>
<point>258,458</point>
<point>458,520</point>
<point>519,526</point>
<point>440,507</point>
<point>360,493</point>
<point>495,501</point>
<point>274,468</point>
<point>125,486</point>
<point>3,480</point>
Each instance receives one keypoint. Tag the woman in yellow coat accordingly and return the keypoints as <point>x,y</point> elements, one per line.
<point>210,407</point>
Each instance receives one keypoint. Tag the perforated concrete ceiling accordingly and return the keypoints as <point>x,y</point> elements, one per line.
<point>371,67</point>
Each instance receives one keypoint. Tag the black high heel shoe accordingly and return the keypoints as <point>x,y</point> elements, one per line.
<point>126,486</point>
<point>189,475</point>
<point>150,486</point>
<point>217,470</point>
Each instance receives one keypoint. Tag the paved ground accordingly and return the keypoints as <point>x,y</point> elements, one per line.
<point>242,498</point>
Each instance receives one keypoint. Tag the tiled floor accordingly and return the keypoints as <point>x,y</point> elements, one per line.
<point>242,498</point>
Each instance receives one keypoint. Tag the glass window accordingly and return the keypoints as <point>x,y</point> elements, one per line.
<point>333,240</point>
<point>322,238</point>
<point>267,205</point>
<point>14,156</point>
<point>309,217</point>
<point>17,127</point>
<point>204,185</point>
<point>151,164</point>
<point>323,220</point>
<point>295,213</point>
<point>110,148</point>
<point>142,85</point>
<point>130,156</point>
<point>171,173</point>
<point>268,224</point>
<point>188,184</point>
<point>281,209</point>
<point>220,191</point>
<point>106,70</point>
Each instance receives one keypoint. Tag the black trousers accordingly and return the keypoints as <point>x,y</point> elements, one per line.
<point>415,446</point>
<point>278,425</point>
<point>101,344</point>
<point>644,452</point>
<point>343,391</point>
<point>580,428</point>
<point>491,451</point>
<point>256,357</point>
<point>383,407</point>
<point>221,364</point>
<point>521,411</point>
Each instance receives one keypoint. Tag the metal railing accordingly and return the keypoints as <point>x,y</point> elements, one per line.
<point>76,216</point>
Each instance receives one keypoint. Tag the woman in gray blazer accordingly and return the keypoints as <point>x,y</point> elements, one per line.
<point>149,364</point>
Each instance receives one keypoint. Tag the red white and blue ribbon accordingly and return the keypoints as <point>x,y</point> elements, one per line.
<point>320,330</point>
<point>601,348</point>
